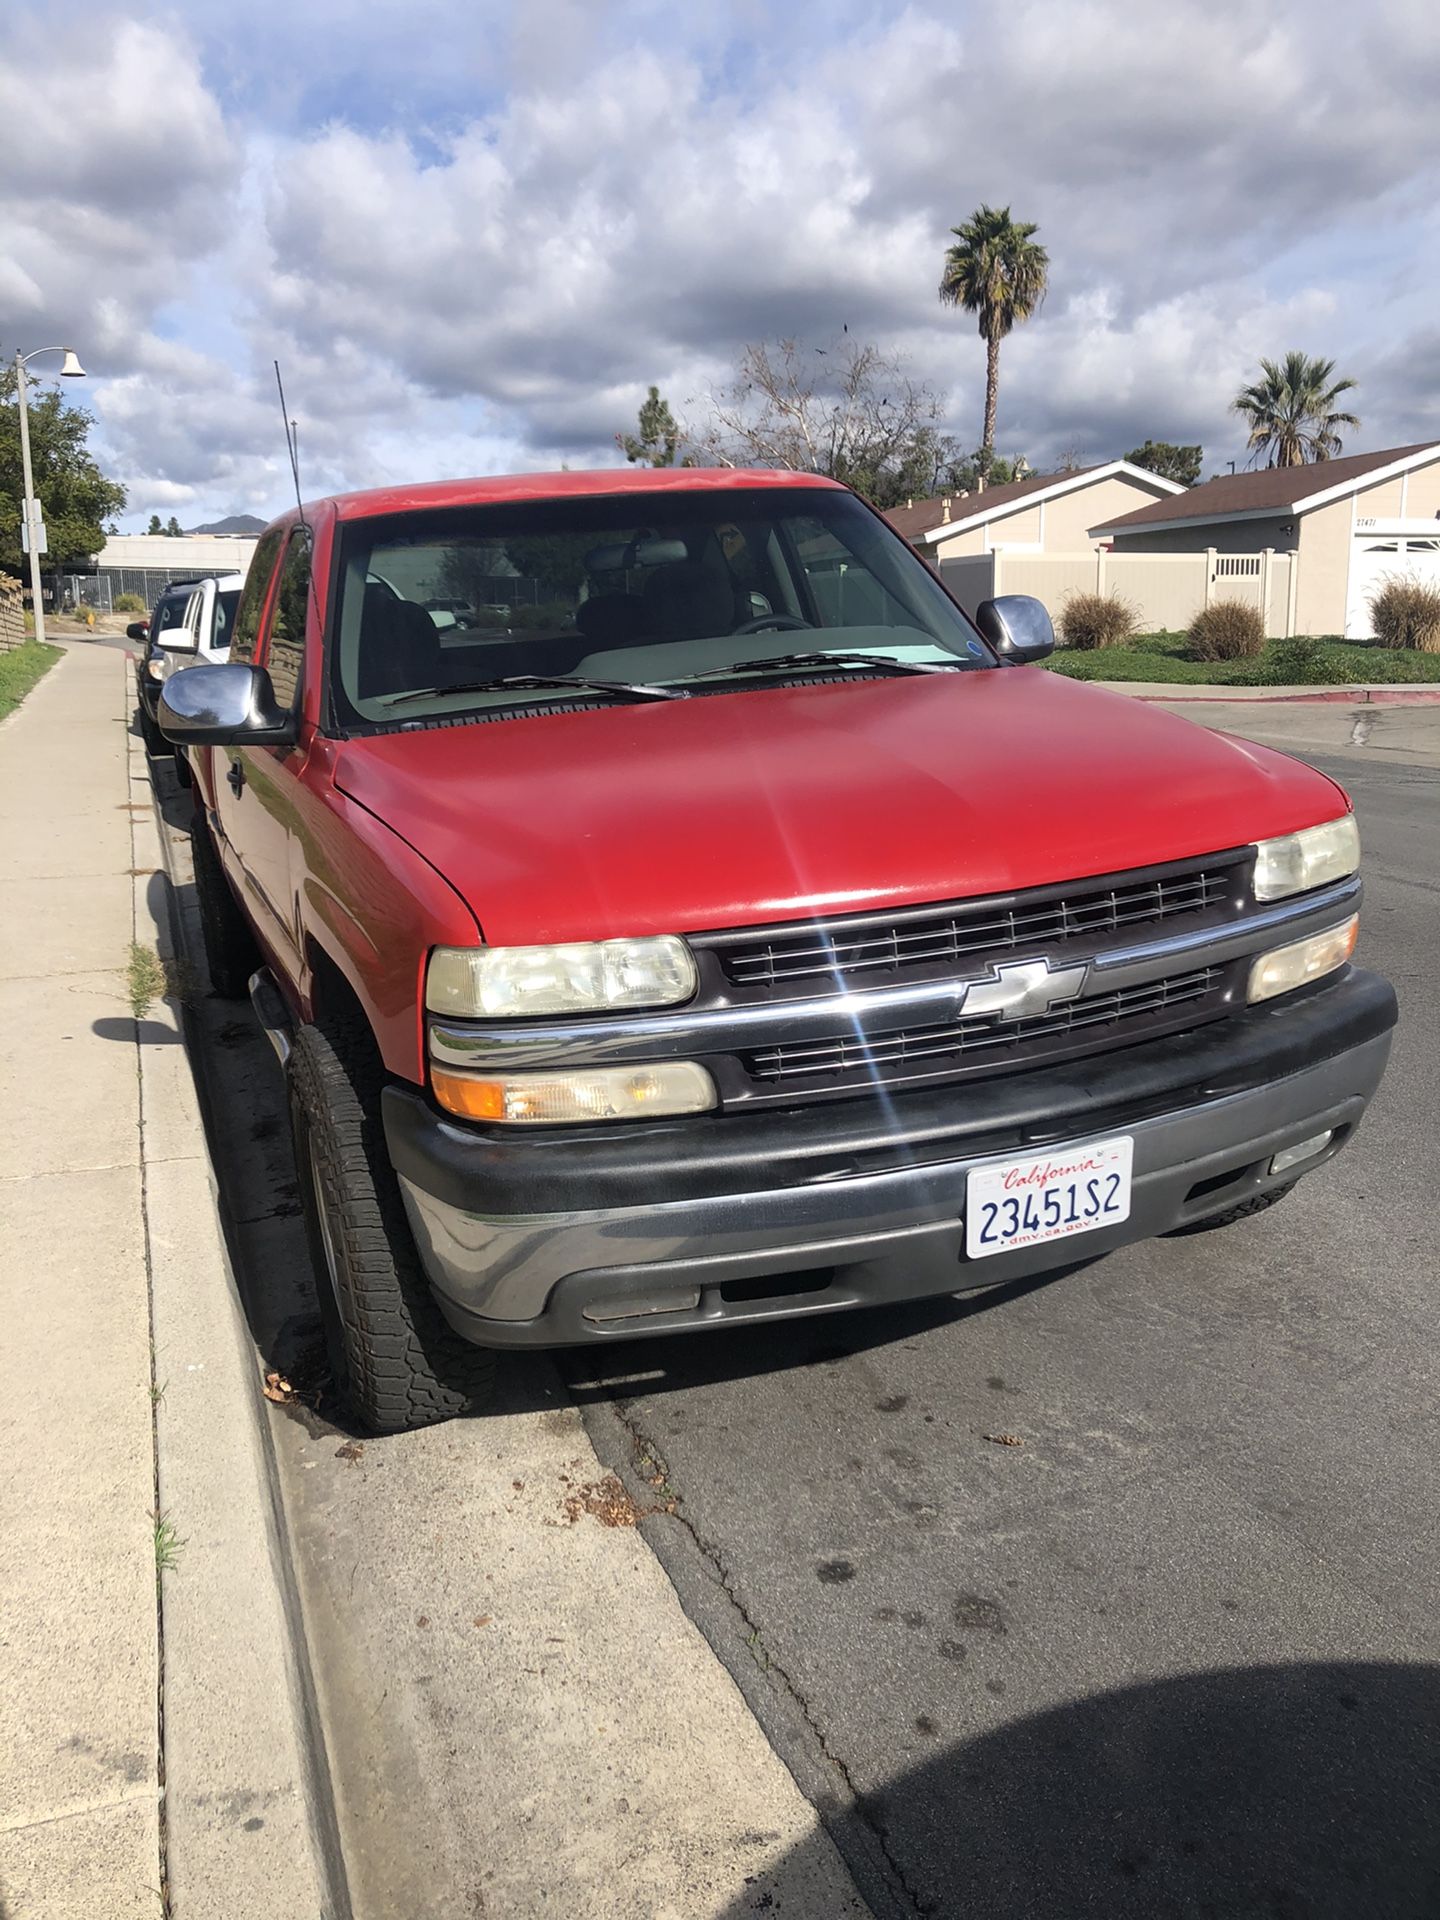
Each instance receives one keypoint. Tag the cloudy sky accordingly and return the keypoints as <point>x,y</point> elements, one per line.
<point>473,234</point>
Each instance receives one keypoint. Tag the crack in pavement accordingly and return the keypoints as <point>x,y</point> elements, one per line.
<point>790,1725</point>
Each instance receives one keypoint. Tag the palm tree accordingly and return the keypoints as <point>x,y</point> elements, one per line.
<point>1292,410</point>
<point>997,271</point>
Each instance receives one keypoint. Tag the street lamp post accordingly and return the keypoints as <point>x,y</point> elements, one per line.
<point>70,369</point>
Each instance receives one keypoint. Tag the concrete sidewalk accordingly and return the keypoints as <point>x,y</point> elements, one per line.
<point>129,1392</point>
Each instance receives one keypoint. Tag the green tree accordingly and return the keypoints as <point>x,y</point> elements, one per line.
<point>998,272</point>
<point>173,529</point>
<point>1292,411</point>
<point>154,526</point>
<point>76,497</point>
<point>659,440</point>
<point>1171,462</point>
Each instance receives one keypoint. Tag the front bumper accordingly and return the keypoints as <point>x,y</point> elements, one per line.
<point>563,1238</point>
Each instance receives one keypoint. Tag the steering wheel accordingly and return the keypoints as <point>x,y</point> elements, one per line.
<point>765,622</point>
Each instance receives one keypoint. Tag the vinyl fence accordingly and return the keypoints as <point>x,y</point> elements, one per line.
<point>1167,590</point>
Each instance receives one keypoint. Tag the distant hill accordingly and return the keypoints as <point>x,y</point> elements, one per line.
<point>233,523</point>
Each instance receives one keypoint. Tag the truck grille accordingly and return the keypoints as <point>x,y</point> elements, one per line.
<point>868,950</point>
<point>986,1043</point>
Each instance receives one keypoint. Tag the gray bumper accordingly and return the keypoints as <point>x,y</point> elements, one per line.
<point>561,1278</point>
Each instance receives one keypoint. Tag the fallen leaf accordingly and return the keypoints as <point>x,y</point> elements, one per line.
<point>278,1389</point>
<point>422,1619</point>
<point>1004,1439</point>
<point>351,1451</point>
<point>483,1619</point>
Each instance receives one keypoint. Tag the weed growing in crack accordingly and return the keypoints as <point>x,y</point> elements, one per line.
<point>144,978</point>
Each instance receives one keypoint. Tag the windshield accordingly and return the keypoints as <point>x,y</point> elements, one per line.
<point>697,590</point>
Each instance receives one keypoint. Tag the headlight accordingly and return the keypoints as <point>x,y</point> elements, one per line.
<point>1299,861</point>
<point>155,669</point>
<point>594,976</point>
<point>596,1093</point>
<point>1286,968</point>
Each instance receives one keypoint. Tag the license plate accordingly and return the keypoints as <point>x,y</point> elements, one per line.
<point>1047,1196</point>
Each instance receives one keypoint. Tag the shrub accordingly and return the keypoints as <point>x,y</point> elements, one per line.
<point>1301,661</point>
<point>1228,630</point>
<point>129,603</point>
<point>1406,613</point>
<point>1090,620</point>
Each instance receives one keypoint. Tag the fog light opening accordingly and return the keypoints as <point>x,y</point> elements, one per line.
<point>1301,1151</point>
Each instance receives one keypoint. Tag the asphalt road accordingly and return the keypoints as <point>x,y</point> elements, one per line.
<point>1113,1594</point>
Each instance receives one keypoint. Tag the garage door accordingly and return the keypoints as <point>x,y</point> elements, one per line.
<point>1376,558</point>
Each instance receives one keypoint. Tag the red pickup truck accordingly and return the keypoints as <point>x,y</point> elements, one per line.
<point>672,911</point>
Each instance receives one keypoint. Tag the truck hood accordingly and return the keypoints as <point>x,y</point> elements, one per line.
<point>747,807</point>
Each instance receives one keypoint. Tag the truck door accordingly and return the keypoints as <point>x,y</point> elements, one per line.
<point>220,786</point>
<point>262,780</point>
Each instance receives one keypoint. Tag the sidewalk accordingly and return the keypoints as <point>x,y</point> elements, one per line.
<point>126,1390</point>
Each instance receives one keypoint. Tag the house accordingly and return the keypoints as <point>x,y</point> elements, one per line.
<point>1346,524</point>
<point>1046,513</point>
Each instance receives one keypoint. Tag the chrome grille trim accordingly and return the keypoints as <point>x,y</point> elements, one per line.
<point>857,952</point>
<point>887,1054</point>
<point>703,1031</point>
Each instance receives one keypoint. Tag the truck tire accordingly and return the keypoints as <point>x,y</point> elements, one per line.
<point>1242,1210</point>
<point>231,955</point>
<point>397,1363</point>
<point>156,745</point>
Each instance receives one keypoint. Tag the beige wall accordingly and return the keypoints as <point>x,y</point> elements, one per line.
<point>960,544</point>
<point>1069,519</point>
<point>1325,542</point>
<point>1422,493</point>
<point>1166,590</point>
<point>1061,525</point>
<point>1383,502</point>
<point>1020,527</point>
<point>1226,536</point>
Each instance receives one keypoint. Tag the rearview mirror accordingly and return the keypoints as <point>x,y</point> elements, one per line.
<point>138,630</point>
<point>1017,626</point>
<point>223,707</point>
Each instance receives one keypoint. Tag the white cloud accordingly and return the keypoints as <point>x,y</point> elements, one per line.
<point>490,242</point>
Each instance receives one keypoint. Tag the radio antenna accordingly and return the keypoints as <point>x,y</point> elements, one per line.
<point>292,442</point>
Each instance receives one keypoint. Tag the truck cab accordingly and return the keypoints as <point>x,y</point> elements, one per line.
<point>703,921</point>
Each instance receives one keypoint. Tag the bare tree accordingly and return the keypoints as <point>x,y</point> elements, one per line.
<point>848,410</point>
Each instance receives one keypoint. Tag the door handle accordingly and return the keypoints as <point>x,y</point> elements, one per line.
<point>236,775</point>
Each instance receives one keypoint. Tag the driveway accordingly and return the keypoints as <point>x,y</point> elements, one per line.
<point>1109,1594</point>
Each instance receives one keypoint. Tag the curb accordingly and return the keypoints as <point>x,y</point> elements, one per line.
<point>1356,696</point>
<point>248,1813</point>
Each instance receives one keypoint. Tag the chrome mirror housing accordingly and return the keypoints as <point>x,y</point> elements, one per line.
<point>1017,626</point>
<point>223,706</point>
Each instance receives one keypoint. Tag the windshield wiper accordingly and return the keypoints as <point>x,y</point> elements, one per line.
<point>842,658</point>
<point>521,682</point>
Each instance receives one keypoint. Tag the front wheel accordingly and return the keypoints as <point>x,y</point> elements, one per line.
<point>156,745</point>
<point>1242,1210</point>
<point>397,1362</point>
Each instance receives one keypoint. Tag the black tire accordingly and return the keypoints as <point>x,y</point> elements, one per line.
<point>182,767</point>
<point>156,745</point>
<point>396,1361</point>
<point>231,955</point>
<point>1242,1210</point>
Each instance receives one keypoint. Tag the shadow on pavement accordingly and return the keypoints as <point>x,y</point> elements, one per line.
<point>677,1363</point>
<point>1307,1792</point>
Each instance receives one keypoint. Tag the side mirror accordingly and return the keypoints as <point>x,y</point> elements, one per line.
<point>230,706</point>
<point>177,640</point>
<point>1017,626</point>
<point>138,630</point>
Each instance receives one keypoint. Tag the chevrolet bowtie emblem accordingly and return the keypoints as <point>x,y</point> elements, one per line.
<point>1025,988</point>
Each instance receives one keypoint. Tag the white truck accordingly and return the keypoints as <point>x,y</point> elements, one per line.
<point>189,626</point>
